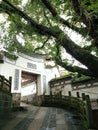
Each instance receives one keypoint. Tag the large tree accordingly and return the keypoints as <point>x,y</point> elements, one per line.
<point>43,27</point>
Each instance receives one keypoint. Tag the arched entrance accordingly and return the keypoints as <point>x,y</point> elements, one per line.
<point>29,86</point>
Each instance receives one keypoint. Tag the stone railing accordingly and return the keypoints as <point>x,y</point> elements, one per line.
<point>5,97</point>
<point>5,84</point>
<point>81,105</point>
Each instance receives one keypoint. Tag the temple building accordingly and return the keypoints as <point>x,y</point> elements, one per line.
<point>30,74</point>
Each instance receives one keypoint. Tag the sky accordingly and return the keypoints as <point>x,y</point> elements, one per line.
<point>1,18</point>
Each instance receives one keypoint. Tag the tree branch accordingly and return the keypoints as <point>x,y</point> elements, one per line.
<point>89,21</point>
<point>62,20</point>
<point>82,12</point>
<point>37,27</point>
<point>79,53</point>
<point>73,68</point>
<point>50,8</point>
<point>85,17</point>
<point>41,47</point>
<point>68,66</point>
<point>47,18</point>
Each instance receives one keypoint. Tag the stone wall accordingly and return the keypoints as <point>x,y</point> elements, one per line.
<point>5,103</point>
<point>16,97</point>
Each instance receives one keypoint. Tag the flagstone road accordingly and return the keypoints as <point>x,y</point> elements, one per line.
<point>43,118</point>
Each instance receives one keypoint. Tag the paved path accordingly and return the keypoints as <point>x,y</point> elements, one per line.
<point>43,118</point>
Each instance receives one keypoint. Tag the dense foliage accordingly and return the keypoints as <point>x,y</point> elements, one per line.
<point>47,26</point>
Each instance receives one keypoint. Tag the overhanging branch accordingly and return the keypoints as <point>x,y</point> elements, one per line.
<point>91,21</point>
<point>82,12</point>
<point>41,29</point>
<point>62,20</point>
<point>73,68</point>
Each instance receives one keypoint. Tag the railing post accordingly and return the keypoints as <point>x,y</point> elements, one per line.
<point>78,95</point>
<point>78,102</point>
<point>50,93</point>
<point>89,113</point>
<point>2,81</point>
<point>51,96</point>
<point>69,92</point>
<point>83,96</point>
<point>60,94</point>
<point>70,101</point>
<point>10,79</point>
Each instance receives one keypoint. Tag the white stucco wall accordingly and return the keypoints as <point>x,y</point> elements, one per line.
<point>66,89</point>
<point>92,91</point>
<point>8,69</point>
<point>51,73</point>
